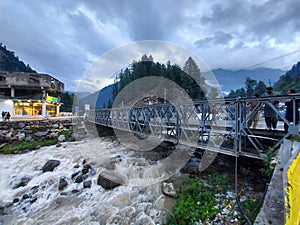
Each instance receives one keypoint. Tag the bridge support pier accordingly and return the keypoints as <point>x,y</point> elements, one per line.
<point>104,131</point>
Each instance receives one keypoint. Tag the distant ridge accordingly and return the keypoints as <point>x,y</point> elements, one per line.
<point>11,63</point>
<point>235,79</point>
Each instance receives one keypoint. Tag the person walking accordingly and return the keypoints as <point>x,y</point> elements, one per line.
<point>291,110</point>
<point>3,116</point>
<point>271,117</point>
<point>253,120</point>
<point>7,116</point>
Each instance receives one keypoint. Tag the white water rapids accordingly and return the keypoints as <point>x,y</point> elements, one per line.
<point>134,202</point>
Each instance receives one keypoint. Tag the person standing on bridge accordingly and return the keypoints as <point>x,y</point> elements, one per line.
<point>271,117</point>
<point>255,116</point>
<point>291,109</point>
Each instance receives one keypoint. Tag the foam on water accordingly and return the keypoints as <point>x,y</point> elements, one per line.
<point>136,202</point>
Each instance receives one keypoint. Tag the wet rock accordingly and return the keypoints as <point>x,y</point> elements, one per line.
<point>109,180</point>
<point>25,196</point>
<point>50,165</point>
<point>168,189</point>
<point>61,138</point>
<point>75,191</point>
<point>33,200</point>
<point>80,178</point>
<point>22,182</point>
<point>87,184</point>
<point>34,189</point>
<point>75,174</point>
<point>87,166</point>
<point>58,145</point>
<point>108,165</point>
<point>62,184</point>
<point>84,170</point>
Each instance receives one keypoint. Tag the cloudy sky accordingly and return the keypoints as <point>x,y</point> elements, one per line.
<point>66,37</point>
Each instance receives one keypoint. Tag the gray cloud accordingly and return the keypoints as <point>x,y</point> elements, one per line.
<point>219,38</point>
<point>64,38</point>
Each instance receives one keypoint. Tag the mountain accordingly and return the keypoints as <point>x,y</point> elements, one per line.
<point>100,98</point>
<point>235,79</point>
<point>290,80</point>
<point>228,79</point>
<point>10,62</point>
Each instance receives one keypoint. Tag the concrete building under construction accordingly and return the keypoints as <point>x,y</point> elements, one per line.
<point>30,94</point>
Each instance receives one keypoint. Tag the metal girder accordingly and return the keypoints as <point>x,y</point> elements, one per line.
<point>218,125</point>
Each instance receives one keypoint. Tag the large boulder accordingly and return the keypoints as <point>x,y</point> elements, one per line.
<point>50,165</point>
<point>109,180</point>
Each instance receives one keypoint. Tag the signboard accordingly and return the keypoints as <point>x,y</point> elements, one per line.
<point>87,107</point>
<point>52,99</point>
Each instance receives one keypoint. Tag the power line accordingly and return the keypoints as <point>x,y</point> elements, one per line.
<point>273,59</point>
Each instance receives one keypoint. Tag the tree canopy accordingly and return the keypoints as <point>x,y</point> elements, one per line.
<point>189,78</point>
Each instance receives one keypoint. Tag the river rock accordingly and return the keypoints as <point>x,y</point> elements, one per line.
<point>62,184</point>
<point>168,189</point>
<point>80,178</point>
<point>108,165</point>
<point>87,184</point>
<point>50,165</point>
<point>21,182</point>
<point>109,180</point>
<point>61,138</point>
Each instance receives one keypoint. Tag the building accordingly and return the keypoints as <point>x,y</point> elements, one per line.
<point>30,94</point>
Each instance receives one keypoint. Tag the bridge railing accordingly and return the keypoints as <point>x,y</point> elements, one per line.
<point>219,124</point>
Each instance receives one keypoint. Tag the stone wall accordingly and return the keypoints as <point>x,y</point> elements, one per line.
<point>19,131</point>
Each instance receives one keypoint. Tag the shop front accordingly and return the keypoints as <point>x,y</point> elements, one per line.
<point>35,108</point>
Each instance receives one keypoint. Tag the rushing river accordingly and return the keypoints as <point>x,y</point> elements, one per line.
<point>139,200</point>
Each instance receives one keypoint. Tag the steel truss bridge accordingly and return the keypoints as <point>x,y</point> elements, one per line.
<point>219,125</point>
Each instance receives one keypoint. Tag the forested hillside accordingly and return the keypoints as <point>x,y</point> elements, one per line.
<point>291,80</point>
<point>189,78</point>
<point>10,62</point>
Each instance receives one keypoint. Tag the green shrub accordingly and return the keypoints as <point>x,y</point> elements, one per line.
<point>217,179</point>
<point>267,170</point>
<point>251,208</point>
<point>195,203</point>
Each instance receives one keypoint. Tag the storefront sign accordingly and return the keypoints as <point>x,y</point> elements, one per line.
<point>52,99</point>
